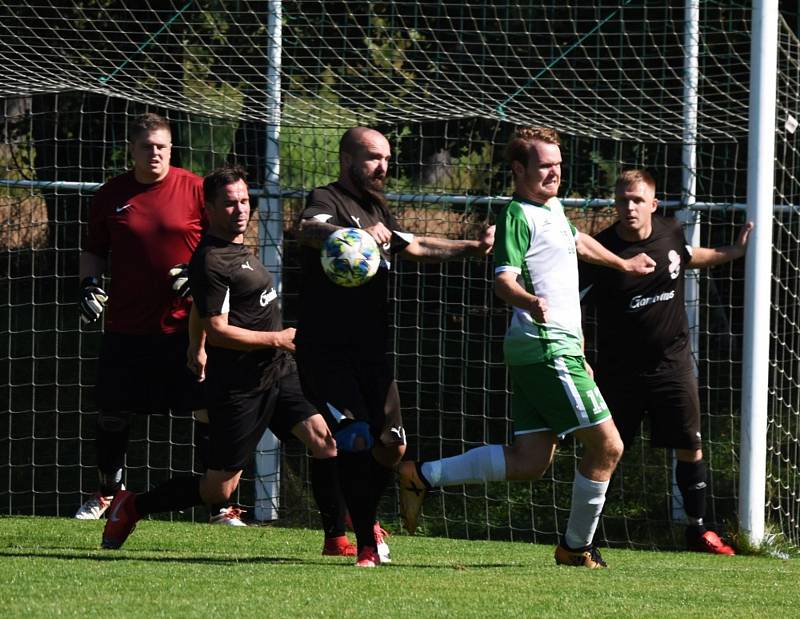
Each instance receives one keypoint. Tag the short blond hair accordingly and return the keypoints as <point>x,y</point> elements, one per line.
<point>145,123</point>
<point>633,176</point>
<point>519,145</point>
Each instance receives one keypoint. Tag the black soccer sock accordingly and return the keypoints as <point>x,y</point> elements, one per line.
<point>691,479</point>
<point>379,479</point>
<point>328,495</point>
<point>354,475</point>
<point>110,482</point>
<point>111,443</point>
<point>202,451</point>
<point>174,494</point>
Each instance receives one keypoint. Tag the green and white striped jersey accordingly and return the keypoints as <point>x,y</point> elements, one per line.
<point>537,242</point>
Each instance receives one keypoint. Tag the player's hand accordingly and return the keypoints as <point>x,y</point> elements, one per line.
<point>285,339</point>
<point>380,233</point>
<point>744,235</point>
<point>93,300</point>
<point>196,361</point>
<point>640,264</point>
<point>589,369</point>
<point>539,309</point>
<point>179,280</point>
<point>486,240</point>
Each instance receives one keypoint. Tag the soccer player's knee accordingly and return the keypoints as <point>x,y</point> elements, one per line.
<point>201,415</point>
<point>353,437</point>
<point>113,421</point>
<point>616,448</point>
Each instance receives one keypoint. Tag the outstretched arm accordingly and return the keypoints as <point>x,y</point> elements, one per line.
<point>703,257</point>
<point>431,249</point>
<point>590,250</point>
<point>313,232</point>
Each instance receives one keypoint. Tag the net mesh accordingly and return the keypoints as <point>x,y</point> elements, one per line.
<point>446,82</point>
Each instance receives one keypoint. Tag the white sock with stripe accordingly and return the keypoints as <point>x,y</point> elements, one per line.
<point>482,464</point>
<point>588,498</point>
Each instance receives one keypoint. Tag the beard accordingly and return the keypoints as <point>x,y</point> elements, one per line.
<point>370,186</point>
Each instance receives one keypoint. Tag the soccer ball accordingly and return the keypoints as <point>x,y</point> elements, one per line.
<point>350,257</point>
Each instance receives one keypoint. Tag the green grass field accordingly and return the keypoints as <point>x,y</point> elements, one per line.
<point>54,567</point>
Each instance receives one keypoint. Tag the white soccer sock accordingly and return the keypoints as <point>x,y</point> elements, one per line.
<point>588,498</point>
<point>482,464</point>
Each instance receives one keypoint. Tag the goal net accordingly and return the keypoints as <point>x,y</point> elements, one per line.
<point>446,82</point>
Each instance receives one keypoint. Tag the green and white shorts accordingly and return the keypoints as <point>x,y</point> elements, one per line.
<point>556,396</point>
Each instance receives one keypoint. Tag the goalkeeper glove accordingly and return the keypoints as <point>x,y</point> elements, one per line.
<point>93,299</point>
<point>179,279</point>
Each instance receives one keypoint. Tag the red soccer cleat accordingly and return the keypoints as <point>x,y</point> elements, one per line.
<point>368,557</point>
<point>122,519</point>
<point>338,547</point>
<point>708,542</point>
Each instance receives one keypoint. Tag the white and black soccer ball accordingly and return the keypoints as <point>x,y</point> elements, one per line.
<point>350,257</point>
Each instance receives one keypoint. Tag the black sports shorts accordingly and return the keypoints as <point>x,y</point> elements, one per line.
<point>359,388</point>
<point>670,401</point>
<point>146,374</point>
<point>237,419</point>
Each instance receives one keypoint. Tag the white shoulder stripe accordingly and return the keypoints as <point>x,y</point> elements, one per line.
<point>226,304</point>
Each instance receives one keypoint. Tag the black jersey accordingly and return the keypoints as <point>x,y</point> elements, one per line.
<point>642,324</point>
<point>335,318</point>
<point>226,278</point>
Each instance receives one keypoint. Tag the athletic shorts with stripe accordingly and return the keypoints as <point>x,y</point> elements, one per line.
<point>557,395</point>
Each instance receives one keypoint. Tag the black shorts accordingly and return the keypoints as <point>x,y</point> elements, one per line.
<point>146,374</point>
<point>237,420</point>
<point>361,389</point>
<point>670,401</point>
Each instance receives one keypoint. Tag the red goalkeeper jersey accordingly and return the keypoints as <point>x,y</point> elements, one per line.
<point>143,231</point>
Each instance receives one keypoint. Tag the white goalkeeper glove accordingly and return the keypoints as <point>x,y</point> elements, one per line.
<point>93,300</point>
<point>179,280</point>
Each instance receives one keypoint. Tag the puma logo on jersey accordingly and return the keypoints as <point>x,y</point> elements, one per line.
<point>674,264</point>
<point>246,265</point>
<point>119,209</point>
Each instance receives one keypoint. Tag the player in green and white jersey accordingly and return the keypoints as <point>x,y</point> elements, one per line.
<point>536,272</point>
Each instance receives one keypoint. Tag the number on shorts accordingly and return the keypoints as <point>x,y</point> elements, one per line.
<point>598,403</point>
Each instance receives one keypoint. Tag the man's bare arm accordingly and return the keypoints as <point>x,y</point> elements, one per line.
<point>591,250</point>
<point>703,257</point>
<point>431,249</point>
